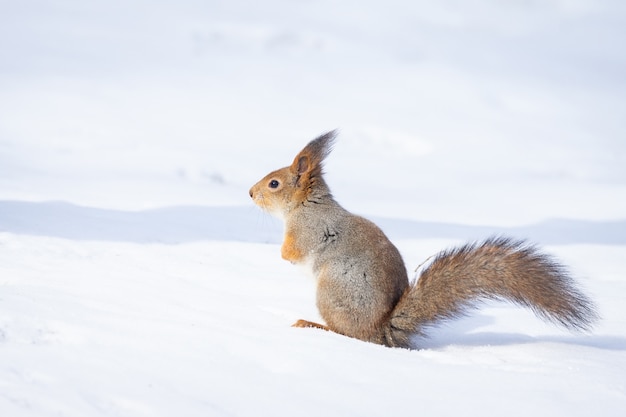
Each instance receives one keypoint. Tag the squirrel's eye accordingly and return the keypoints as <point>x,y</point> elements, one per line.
<point>274,184</point>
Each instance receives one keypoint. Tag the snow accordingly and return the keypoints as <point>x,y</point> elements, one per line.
<point>137,278</point>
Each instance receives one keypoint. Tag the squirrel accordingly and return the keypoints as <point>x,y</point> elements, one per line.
<point>363,290</point>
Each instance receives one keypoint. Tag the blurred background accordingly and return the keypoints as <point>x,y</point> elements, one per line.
<point>474,111</point>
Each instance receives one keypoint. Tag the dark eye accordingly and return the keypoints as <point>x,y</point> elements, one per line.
<point>274,184</point>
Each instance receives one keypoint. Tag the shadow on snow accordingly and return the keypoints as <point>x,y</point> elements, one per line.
<point>173,225</point>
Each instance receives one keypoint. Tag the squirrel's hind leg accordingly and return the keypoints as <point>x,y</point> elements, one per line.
<point>305,323</point>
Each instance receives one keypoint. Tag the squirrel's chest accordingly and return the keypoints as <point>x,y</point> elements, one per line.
<point>296,256</point>
<point>304,247</point>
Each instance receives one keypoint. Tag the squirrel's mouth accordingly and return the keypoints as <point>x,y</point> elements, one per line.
<point>267,207</point>
<point>258,199</point>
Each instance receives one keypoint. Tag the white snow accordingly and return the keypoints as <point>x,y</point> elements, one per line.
<point>137,278</point>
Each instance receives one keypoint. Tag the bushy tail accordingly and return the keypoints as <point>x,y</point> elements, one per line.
<point>498,268</point>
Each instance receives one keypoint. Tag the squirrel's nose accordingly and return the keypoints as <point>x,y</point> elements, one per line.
<point>251,193</point>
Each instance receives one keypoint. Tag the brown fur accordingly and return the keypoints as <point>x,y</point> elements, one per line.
<point>362,285</point>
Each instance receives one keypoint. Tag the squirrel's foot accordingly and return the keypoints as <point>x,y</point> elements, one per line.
<point>305,323</point>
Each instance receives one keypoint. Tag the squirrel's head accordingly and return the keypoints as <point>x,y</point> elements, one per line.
<point>300,183</point>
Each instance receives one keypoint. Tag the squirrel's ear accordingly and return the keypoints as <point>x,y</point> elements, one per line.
<point>311,157</point>
<point>302,165</point>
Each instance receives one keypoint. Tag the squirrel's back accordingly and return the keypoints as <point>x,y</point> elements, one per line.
<point>362,285</point>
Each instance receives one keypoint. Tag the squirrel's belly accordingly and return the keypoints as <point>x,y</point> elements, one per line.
<point>306,265</point>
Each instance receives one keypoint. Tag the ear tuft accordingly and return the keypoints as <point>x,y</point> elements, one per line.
<point>323,145</point>
<point>310,159</point>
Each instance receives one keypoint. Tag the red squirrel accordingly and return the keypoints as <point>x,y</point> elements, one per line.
<point>363,290</point>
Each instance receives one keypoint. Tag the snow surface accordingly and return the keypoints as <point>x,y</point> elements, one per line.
<point>137,278</point>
